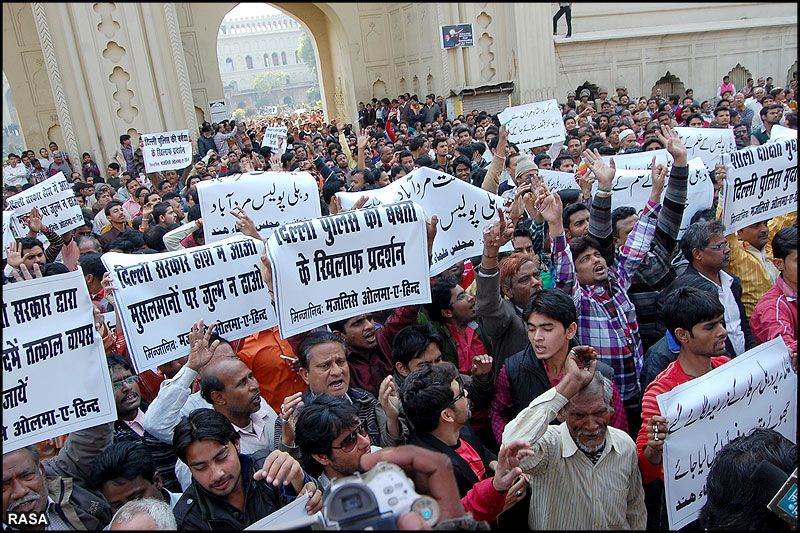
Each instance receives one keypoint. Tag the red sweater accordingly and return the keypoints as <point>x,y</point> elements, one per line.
<point>664,382</point>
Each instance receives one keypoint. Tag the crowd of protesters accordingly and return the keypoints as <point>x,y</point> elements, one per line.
<point>532,374</point>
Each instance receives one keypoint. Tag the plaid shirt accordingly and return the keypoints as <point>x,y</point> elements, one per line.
<point>607,318</point>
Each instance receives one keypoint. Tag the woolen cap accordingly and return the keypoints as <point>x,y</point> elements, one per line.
<point>524,164</point>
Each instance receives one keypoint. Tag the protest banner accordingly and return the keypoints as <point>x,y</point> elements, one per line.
<point>778,133</point>
<point>640,160</point>
<point>170,150</point>
<point>275,138</point>
<point>758,389</point>
<point>557,180</point>
<point>632,188</point>
<point>55,375</point>
<point>218,282</point>
<point>463,210</point>
<point>707,143</point>
<point>532,125</point>
<point>56,202</point>
<point>268,198</point>
<point>8,234</point>
<point>364,260</point>
<point>761,183</point>
<point>218,110</point>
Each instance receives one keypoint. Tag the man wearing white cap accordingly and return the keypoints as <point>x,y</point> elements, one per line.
<point>627,137</point>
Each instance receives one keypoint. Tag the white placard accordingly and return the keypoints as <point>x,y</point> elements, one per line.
<point>8,235</point>
<point>275,138</point>
<point>55,375</point>
<point>110,319</point>
<point>268,198</point>
<point>639,160</point>
<point>557,180</point>
<point>463,210</point>
<point>336,267</point>
<point>218,110</point>
<point>761,183</point>
<point>758,389</point>
<point>170,150</point>
<point>56,202</point>
<point>532,125</point>
<point>160,296</point>
<point>707,143</point>
<point>778,133</point>
<point>632,188</point>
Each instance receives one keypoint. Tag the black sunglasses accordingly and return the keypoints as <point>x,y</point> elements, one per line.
<point>349,442</point>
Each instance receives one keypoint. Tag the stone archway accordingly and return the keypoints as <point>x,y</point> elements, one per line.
<point>320,21</point>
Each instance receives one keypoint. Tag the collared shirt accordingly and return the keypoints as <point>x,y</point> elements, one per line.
<point>469,345</point>
<point>137,424</point>
<point>568,490</point>
<point>54,520</point>
<point>607,319</point>
<point>733,319</point>
<point>754,267</point>
<point>776,315</point>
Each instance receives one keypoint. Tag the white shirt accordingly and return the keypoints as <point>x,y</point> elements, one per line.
<point>13,176</point>
<point>733,320</point>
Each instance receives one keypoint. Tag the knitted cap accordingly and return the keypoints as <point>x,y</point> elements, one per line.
<point>524,164</point>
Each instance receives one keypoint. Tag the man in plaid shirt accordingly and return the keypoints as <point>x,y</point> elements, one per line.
<point>606,317</point>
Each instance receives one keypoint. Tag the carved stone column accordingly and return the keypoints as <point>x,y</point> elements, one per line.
<point>180,68</point>
<point>56,83</point>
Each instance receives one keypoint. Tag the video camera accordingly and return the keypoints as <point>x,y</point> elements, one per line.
<point>374,500</point>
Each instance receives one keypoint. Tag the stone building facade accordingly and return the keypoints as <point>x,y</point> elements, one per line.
<point>81,74</point>
<point>249,46</point>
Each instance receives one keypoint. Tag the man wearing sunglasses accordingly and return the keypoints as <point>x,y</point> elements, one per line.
<point>330,432</point>
<point>708,251</point>
<point>437,404</point>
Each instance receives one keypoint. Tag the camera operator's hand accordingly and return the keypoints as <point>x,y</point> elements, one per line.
<point>432,474</point>
<point>315,497</point>
<point>280,467</point>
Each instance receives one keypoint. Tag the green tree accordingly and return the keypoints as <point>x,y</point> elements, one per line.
<point>266,82</point>
<point>305,50</point>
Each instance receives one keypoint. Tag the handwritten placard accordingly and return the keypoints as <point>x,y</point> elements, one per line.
<point>463,211</point>
<point>56,202</point>
<point>707,143</point>
<point>275,138</point>
<point>758,389</point>
<point>558,181</point>
<point>336,267</point>
<point>761,183</point>
<point>170,150</point>
<point>778,133</point>
<point>535,124</point>
<point>632,188</point>
<point>268,198</point>
<point>8,234</point>
<point>218,282</point>
<point>640,160</point>
<point>55,376</point>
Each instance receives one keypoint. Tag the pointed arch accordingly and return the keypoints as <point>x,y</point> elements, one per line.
<point>669,84</point>
<point>283,58</point>
<point>738,76</point>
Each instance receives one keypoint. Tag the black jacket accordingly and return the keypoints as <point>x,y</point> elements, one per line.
<point>692,278</point>
<point>465,476</point>
<point>528,379</point>
<point>198,509</point>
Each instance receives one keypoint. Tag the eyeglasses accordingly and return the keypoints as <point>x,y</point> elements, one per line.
<point>130,380</point>
<point>461,392</point>
<point>349,442</point>
<point>719,246</point>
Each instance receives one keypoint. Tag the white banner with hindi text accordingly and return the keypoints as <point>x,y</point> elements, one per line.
<point>56,202</point>
<point>761,183</point>
<point>535,124</point>
<point>160,296</point>
<point>463,210</point>
<point>268,198</point>
<point>336,267</point>
<point>55,375</point>
<point>170,150</point>
<point>758,389</point>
